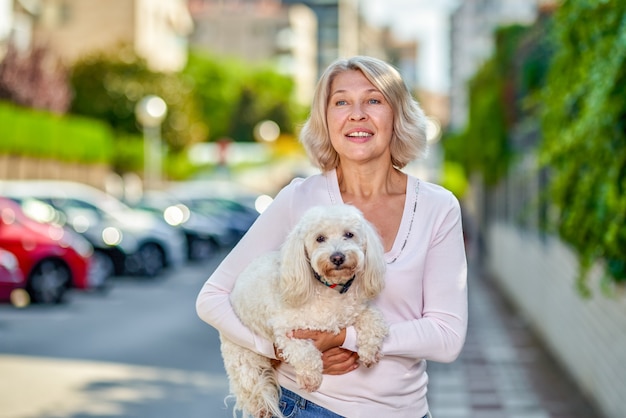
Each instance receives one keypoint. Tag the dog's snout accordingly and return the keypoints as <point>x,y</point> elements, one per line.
<point>337,258</point>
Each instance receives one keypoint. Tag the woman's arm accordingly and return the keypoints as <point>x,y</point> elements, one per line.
<point>213,302</point>
<point>439,333</point>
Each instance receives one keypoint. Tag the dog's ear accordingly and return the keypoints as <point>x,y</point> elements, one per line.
<point>296,275</point>
<point>373,275</point>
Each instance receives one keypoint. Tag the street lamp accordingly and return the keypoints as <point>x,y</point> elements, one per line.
<point>150,112</point>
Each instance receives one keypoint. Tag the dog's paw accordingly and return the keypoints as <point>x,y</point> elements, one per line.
<point>369,357</point>
<point>309,381</point>
<point>370,362</point>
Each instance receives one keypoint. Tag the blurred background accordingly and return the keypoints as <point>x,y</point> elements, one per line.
<point>139,139</point>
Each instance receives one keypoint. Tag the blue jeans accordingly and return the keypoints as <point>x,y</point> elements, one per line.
<point>295,406</point>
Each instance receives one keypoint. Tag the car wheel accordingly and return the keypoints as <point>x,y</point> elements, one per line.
<point>152,259</point>
<point>49,281</point>
<point>101,270</point>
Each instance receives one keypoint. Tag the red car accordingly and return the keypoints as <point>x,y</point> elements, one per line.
<point>51,258</point>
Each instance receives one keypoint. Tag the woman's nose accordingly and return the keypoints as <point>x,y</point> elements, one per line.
<point>357,113</point>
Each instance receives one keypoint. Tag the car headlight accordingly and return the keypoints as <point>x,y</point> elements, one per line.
<point>9,261</point>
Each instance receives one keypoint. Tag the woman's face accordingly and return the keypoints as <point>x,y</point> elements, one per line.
<point>360,120</point>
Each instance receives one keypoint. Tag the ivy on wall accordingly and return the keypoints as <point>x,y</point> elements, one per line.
<point>562,85</point>
<point>583,124</point>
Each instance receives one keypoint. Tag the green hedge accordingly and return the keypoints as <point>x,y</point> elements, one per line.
<point>42,134</point>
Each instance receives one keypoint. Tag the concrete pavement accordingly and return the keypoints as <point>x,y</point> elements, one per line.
<point>503,371</point>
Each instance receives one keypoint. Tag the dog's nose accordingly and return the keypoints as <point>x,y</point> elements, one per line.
<point>337,258</point>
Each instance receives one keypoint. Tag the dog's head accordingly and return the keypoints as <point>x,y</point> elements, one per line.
<point>338,244</point>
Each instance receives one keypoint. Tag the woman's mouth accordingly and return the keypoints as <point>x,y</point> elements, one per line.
<point>359,136</point>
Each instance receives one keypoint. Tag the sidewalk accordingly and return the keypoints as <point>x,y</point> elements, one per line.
<point>503,371</point>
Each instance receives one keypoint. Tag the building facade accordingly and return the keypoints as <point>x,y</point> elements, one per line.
<point>73,29</point>
<point>472,27</point>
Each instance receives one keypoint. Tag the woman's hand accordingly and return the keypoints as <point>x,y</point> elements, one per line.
<point>339,360</point>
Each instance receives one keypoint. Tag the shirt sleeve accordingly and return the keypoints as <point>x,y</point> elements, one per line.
<point>266,234</point>
<point>437,332</point>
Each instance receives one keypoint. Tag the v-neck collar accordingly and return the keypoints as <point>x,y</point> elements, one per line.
<point>408,213</point>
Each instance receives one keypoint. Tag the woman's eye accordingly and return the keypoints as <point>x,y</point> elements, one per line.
<point>340,103</point>
<point>348,235</point>
<point>321,238</point>
<point>373,101</point>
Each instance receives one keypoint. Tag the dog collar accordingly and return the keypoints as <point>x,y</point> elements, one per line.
<point>344,287</point>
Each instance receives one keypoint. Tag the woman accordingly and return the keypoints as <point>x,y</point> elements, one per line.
<point>363,129</point>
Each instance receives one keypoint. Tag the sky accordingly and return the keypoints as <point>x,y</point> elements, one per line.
<point>427,21</point>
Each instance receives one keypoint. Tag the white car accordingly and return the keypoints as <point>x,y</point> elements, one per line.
<point>136,242</point>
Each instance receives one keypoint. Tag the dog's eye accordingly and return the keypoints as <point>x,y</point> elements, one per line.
<point>348,235</point>
<point>321,238</point>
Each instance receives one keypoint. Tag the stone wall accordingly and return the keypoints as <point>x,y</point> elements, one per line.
<point>24,168</point>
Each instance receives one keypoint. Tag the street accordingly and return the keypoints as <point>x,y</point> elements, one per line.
<point>138,350</point>
<point>141,351</point>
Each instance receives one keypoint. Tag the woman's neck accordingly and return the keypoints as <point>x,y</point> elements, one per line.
<point>366,182</point>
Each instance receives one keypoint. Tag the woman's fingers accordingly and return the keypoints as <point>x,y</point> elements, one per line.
<point>339,361</point>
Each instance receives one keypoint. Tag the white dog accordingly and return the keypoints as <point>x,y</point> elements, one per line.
<point>330,266</point>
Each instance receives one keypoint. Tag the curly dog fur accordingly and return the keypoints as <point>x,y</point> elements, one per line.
<point>279,292</point>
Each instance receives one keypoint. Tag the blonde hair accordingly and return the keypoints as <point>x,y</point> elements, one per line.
<point>408,141</point>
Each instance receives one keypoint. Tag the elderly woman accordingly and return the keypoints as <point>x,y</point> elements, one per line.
<point>364,127</point>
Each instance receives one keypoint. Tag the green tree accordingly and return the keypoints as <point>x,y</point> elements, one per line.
<point>235,96</point>
<point>243,119</point>
<point>217,87</point>
<point>108,85</point>
<point>211,99</point>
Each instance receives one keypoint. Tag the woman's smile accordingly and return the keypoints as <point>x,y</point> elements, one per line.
<point>359,135</point>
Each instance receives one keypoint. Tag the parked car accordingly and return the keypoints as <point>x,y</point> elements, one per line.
<point>11,277</point>
<point>237,208</point>
<point>51,259</point>
<point>204,233</point>
<point>138,243</point>
<point>101,269</point>
<point>237,217</point>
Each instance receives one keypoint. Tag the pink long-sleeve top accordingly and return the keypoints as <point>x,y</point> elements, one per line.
<point>424,299</point>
